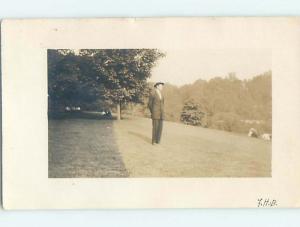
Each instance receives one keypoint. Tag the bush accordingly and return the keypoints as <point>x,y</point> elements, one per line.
<point>227,121</point>
<point>192,115</point>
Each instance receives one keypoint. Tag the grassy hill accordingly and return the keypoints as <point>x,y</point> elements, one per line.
<point>107,148</point>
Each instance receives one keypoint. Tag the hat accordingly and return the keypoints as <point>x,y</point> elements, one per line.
<point>158,83</point>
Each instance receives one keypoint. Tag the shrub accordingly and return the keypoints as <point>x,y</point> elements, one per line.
<point>227,121</point>
<point>192,114</point>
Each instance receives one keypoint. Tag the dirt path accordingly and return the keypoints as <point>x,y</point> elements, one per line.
<point>187,151</point>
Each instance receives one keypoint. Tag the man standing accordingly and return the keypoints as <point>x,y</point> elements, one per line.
<point>156,106</point>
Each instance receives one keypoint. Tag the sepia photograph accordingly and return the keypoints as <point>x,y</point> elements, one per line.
<point>151,113</point>
<point>159,113</point>
<point>141,113</point>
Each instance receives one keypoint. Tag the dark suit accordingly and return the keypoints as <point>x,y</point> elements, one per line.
<point>156,106</point>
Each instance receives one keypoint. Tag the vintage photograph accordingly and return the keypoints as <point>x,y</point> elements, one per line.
<point>179,112</point>
<point>159,113</point>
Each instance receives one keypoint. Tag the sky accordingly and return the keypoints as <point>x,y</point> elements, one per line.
<point>181,67</point>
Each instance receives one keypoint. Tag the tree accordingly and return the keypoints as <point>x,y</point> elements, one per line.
<point>116,76</point>
<point>69,83</point>
<point>123,73</point>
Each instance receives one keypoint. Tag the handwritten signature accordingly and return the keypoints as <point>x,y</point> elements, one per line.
<point>266,202</point>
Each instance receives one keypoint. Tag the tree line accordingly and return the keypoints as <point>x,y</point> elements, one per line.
<point>225,103</point>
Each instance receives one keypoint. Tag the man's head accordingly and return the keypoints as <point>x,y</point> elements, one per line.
<point>159,85</point>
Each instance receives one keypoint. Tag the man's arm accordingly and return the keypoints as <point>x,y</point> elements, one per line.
<point>150,102</point>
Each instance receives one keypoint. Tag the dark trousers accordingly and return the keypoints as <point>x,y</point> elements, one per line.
<point>157,126</point>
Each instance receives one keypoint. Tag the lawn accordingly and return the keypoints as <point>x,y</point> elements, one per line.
<point>110,148</point>
<point>83,148</point>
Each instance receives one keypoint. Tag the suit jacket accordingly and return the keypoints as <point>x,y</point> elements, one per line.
<point>156,106</point>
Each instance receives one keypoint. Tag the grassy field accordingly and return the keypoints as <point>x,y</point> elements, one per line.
<point>83,148</point>
<point>108,148</point>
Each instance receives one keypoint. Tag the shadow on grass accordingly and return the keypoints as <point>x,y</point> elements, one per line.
<point>79,115</point>
<point>83,148</point>
<point>141,136</point>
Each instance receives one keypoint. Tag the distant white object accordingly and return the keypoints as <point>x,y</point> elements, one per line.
<point>73,108</point>
<point>266,136</point>
<point>252,121</point>
<point>253,133</point>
